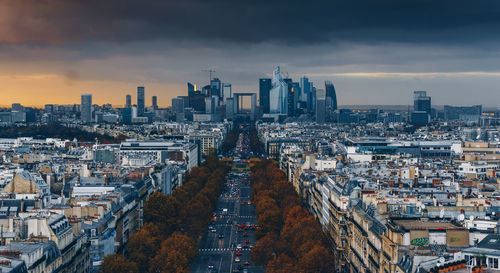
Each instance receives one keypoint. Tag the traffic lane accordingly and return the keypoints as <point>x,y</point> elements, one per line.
<point>247,212</point>
<point>202,262</point>
<point>226,242</point>
<point>220,260</point>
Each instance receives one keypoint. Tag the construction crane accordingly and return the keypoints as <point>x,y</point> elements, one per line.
<point>210,71</point>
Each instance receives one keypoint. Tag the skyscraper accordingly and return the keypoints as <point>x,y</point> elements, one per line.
<point>320,103</point>
<point>154,101</point>
<point>226,91</point>
<point>140,100</point>
<point>421,108</point>
<point>421,102</point>
<point>128,101</point>
<point>307,95</point>
<point>210,103</point>
<point>265,86</point>
<point>178,109</point>
<point>177,105</point>
<point>230,108</point>
<point>215,87</point>
<point>330,93</point>
<point>86,108</point>
<point>278,96</point>
<point>190,87</point>
<point>305,87</point>
<point>292,97</point>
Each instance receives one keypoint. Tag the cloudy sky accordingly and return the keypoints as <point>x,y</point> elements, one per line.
<point>375,52</point>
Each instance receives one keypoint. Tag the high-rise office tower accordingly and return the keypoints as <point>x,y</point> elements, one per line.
<point>278,96</point>
<point>292,97</point>
<point>421,102</point>
<point>196,99</point>
<point>320,103</point>
<point>230,108</point>
<point>305,87</point>
<point>178,109</point>
<point>330,93</point>
<point>206,91</point>
<point>191,88</point>
<point>307,94</point>
<point>421,108</point>
<point>312,99</point>
<point>154,101</point>
<point>265,86</point>
<point>215,86</point>
<point>210,103</point>
<point>226,91</point>
<point>128,101</point>
<point>86,108</point>
<point>177,105</point>
<point>140,100</point>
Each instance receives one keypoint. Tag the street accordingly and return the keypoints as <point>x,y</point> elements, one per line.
<point>226,245</point>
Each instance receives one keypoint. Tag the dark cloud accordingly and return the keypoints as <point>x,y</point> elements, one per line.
<point>285,22</point>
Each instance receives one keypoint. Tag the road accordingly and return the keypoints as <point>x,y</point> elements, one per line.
<point>230,231</point>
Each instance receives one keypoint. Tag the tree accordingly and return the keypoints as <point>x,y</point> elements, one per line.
<point>263,250</point>
<point>282,264</point>
<point>165,211</point>
<point>143,245</point>
<point>318,259</point>
<point>117,263</point>
<point>175,255</point>
<point>270,220</point>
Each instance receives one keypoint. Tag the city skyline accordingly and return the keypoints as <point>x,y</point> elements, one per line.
<point>448,48</point>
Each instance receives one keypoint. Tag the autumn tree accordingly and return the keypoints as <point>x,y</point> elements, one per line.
<point>318,259</point>
<point>175,255</point>
<point>263,251</point>
<point>282,264</point>
<point>117,263</point>
<point>143,245</point>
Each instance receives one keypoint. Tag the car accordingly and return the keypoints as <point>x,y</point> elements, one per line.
<point>213,230</point>
<point>238,253</point>
<point>240,230</point>
<point>221,236</point>
<point>238,246</point>
<point>245,270</point>
<point>211,266</point>
<point>237,260</point>
<point>246,263</point>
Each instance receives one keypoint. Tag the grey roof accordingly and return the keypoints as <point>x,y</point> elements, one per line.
<point>490,245</point>
<point>23,247</point>
<point>491,241</point>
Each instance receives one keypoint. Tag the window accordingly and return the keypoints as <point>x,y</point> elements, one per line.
<point>493,263</point>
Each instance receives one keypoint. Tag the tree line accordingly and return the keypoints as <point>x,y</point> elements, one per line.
<point>169,240</point>
<point>255,144</point>
<point>230,141</point>
<point>289,238</point>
